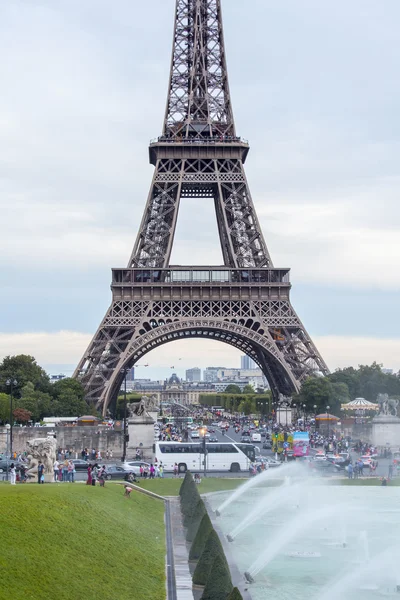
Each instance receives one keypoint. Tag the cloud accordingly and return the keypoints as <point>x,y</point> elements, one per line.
<point>65,348</point>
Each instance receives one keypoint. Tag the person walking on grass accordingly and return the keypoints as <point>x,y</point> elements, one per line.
<point>55,469</point>
<point>13,474</point>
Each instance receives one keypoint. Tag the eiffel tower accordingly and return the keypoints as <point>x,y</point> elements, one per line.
<point>245,302</point>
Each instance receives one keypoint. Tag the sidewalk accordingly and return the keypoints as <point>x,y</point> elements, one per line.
<point>183,578</point>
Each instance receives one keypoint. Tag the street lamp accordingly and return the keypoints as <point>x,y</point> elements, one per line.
<point>12,383</point>
<point>327,416</point>
<point>203,433</point>
<point>8,427</point>
<point>304,417</point>
<point>125,372</point>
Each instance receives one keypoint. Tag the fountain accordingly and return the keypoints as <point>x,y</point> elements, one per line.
<point>269,474</point>
<point>290,540</point>
<point>267,503</point>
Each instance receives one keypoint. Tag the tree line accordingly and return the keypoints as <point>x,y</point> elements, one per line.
<point>34,397</point>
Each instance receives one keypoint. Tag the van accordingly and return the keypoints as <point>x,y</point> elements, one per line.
<point>256,437</point>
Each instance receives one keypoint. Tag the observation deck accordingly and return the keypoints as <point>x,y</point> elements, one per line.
<point>198,147</point>
<point>200,283</point>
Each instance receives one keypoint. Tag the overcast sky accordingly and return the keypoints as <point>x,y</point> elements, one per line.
<point>316,91</point>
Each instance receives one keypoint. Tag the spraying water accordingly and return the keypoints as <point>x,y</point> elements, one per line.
<point>266,504</point>
<point>383,569</point>
<point>269,474</point>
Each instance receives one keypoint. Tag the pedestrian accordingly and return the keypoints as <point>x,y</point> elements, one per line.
<point>65,470</point>
<point>95,471</point>
<point>152,471</point>
<point>161,470</point>
<point>13,474</point>
<point>390,471</point>
<point>110,454</point>
<point>102,476</point>
<point>350,471</point>
<point>107,455</point>
<point>55,469</point>
<point>71,469</point>
<point>89,475</point>
<point>176,470</point>
<point>141,470</point>
<point>60,468</point>
<point>40,472</point>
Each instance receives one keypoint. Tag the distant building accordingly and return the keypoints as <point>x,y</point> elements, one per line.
<point>211,374</point>
<point>193,375</point>
<point>221,386</point>
<point>247,363</point>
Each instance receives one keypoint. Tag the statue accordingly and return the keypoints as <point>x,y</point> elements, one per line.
<point>285,400</point>
<point>43,450</point>
<point>146,405</point>
<point>387,406</point>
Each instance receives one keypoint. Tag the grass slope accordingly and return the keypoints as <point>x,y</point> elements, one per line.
<point>170,486</point>
<point>75,541</point>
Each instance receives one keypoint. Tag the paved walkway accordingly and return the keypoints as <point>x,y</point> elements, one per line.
<point>183,578</point>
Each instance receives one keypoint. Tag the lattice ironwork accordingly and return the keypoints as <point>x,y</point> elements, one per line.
<point>199,155</point>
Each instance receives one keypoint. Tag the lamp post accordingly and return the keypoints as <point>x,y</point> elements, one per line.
<point>8,427</point>
<point>327,416</point>
<point>125,371</point>
<point>304,417</point>
<point>203,432</point>
<point>11,382</point>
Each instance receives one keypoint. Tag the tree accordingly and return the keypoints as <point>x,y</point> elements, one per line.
<point>24,369</point>
<point>212,549</point>
<point>21,415</point>
<point>247,406</point>
<point>69,399</point>
<point>4,408</point>
<point>200,540</point>
<point>37,403</point>
<point>235,595</point>
<point>233,389</point>
<point>248,389</point>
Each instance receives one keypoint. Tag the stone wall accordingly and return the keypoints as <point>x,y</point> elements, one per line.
<point>100,438</point>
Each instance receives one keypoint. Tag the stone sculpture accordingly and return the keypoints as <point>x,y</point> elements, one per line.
<point>146,405</point>
<point>387,406</point>
<point>43,450</point>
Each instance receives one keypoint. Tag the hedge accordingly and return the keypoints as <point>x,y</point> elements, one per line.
<point>199,541</point>
<point>187,478</point>
<point>195,520</point>
<point>212,549</point>
<point>235,595</point>
<point>219,583</point>
<point>189,501</point>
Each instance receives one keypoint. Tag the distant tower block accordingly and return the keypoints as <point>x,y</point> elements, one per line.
<point>245,302</point>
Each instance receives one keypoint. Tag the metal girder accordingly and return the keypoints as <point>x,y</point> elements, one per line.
<point>198,156</point>
<point>199,102</point>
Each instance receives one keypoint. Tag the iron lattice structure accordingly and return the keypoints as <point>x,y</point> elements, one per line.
<point>244,303</point>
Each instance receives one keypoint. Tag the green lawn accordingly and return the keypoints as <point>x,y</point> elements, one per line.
<point>73,541</point>
<point>170,486</point>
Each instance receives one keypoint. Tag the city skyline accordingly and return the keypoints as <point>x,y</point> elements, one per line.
<point>334,220</point>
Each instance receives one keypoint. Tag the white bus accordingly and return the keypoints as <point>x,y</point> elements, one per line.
<point>219,457</point>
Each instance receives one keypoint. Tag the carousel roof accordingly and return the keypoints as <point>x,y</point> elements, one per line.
<point>360,404</point>
<point>326,417</point>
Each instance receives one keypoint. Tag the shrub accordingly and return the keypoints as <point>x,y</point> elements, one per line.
<point>195,520</point>
<point>189,500</point>
<point>219,583</point>
<point>200,539</point>
<point>187,478</point>
<point>235,595</point>
<point>212,549</point>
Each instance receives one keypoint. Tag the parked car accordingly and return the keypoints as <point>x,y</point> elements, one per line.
<point>17,464</point>
<point>116,472</point>
<point>194,435</point>
<point>82,465</point>
<point>134,466</point>
<point>267,445</point>
<point>272,462</point>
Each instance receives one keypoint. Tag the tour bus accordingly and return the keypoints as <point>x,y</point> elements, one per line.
<point>232,457</point>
